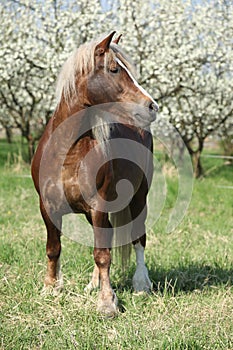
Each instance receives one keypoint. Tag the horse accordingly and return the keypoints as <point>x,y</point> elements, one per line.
<point>97,74</point>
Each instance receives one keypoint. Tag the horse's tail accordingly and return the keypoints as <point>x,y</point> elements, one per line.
<point>122,235</point>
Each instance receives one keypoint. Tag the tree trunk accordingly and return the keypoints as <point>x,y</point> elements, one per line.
<point>196,156</point>
<point>8,134</point>
<point>197,167</point>
<point>31,147</point>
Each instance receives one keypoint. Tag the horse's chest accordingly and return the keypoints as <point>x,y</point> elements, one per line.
<point>83,179</point>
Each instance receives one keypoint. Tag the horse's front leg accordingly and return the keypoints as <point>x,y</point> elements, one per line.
<point>141,280</point>
<point>138,207</point>
<point>107,301</point>
<point>53,279</point>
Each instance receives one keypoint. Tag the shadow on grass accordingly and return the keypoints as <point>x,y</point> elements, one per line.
<point>181,279</point>
<point>190,278</point>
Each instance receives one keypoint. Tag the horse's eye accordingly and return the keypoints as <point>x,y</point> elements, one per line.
<point>115,70</point>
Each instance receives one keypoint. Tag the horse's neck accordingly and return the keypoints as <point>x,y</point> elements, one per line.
<point>63,112</point>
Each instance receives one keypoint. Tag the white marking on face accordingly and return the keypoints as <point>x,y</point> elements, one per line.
<point>136,83</point>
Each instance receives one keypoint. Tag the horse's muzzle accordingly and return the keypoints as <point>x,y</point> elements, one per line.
<point>153,109</point>
<point>153,106</point>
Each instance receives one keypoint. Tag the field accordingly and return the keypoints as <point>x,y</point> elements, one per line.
<point>191,306</point>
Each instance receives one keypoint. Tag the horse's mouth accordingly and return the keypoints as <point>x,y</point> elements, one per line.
<point>152,114</point>
<point>147,118</point>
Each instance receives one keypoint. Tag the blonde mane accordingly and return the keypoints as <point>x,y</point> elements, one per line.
<point>82,62</point>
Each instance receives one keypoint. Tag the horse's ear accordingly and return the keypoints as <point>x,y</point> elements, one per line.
<point>116,41</point>
<point>103,46</point>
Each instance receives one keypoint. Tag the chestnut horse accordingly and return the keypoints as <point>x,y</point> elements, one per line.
<point>97,74</point>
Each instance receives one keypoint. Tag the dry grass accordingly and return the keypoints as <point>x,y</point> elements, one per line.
<point>191,268</point>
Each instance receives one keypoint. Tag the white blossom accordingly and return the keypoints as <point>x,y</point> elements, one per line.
<point>183,53</point>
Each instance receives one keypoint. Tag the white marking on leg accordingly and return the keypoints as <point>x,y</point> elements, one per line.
<point>141,280</point>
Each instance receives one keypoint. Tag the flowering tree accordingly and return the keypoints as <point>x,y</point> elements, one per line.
<point>37,37</point>
<point>225,133</point>
<point>184,54</point>
<point>182,50</point>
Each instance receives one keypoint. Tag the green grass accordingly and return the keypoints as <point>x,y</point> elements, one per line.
<point>14,153</point>
<point>191,306</point>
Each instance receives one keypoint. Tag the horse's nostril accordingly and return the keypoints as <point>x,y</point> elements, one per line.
<point>153,107</point>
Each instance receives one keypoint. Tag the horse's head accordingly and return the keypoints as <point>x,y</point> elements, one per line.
<point>104,74</point>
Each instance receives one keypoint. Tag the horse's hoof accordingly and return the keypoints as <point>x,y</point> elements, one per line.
<point>51,290</point>
<point>141,281</point>
<point>108,309</point>
<point>54,288</point>
<point>46,290</point>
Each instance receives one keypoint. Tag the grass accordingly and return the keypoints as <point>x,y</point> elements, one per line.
<point>191,306</point>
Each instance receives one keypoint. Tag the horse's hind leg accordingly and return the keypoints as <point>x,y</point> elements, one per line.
<point>95,280</point>
<point>53,279</point>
